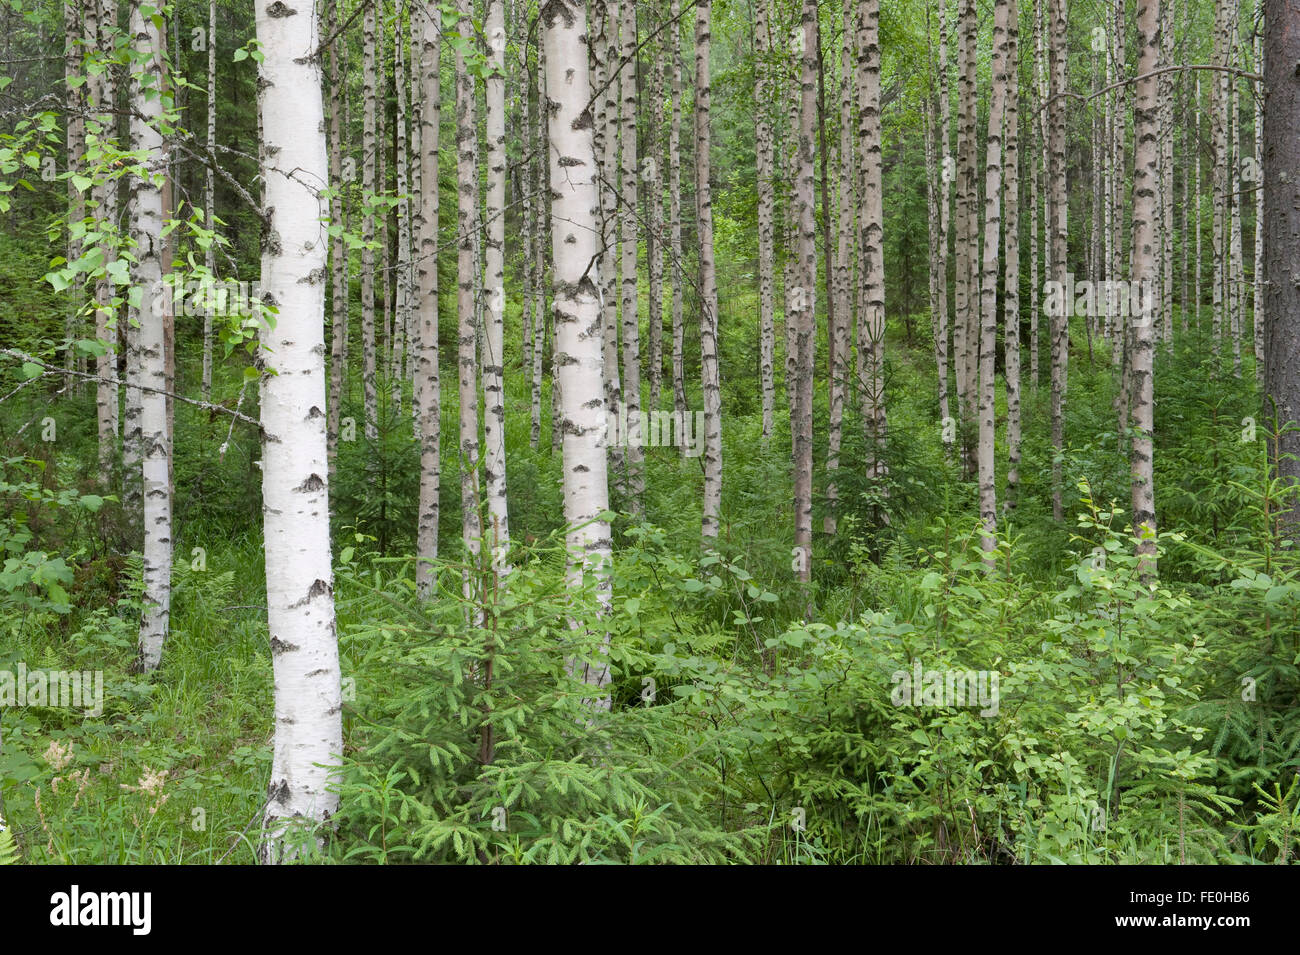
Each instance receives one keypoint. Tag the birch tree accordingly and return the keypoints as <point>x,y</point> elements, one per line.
<point>871,315</point>
<point>603,52</point>
<point>308,739</point>
<point>675,213</point>
<point>1257,298</point>
<point>1011,233</point>
<point>427,386</point>
<point>147,117</point>
<point>965,291</point>
<point>369,186</point>
<point>575,242</point>
<point>401,168</point>
<point>654,215</point>
<point>840,267</point>
<point>709,372</point>
<point>467,222</point>
<point>1058,232</point>
<point>801,302</point>
<point>631,333</point>
<point>75,139</point>
<point>339,256</point>
<point>102,26</point>
<point>210,192</point>
<point>494,412</point>
<point>989,281</point>
<point>1144,271</point>
<point>765,185</point>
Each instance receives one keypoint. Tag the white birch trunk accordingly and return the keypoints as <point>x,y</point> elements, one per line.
<point>146,231</point>
<point>295,496</point>
<point>494,412</point>
<point>575,241</point>
<point>427,384</point>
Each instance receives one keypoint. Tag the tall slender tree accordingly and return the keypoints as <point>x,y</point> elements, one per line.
<point>871,216</point>
<point>1282,234</point>
<point>427,394</point>
<point>575,242</point>
<point>494,411</point>
<point>467,280</point>
<point>370,185</point>
<point>102,25</point>
<point>989,281</point>
<point>1058,232</point>
<point>1144,273</point>
<point>764,161</point>
<point>308,741</point>
<point>802,296</point>
<point>150,102</point>
<point>711,382</point>
<point>1011,237</point>
<point>628,245</point>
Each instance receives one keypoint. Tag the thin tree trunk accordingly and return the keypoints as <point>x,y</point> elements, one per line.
<point>655,221</point>
<point>494,412</point>
<point>308,722</point>
<point>338,251</point>
<point>147,212</point>
<point>575,231</point>
<point>803,297</point>
<point>401,165</point>
<point>1167,174</point>
<point>1143,272</point>
<point>989,282</point>
<point>1236,275</point>
<point>76,145</point>
<point>675,214</point>
<point>842,311</point>
<point>541,200</point>
<point>965,293</point>
<point>1219,130</point>
<point>427,395</point>
<point>631,332</point>
<point>466,282</point>
<point>1011,293</point>
<point>102,26</point>
<point>1282,233</point>
<point>1257,300</point>
<point>604,51</point>
<point>1198,270</point>
<point>942,167</point>
<point>871,320</point>
<point>209,188</point>
<point>766,206</point>
<point>711,384</point>
<point>1036,194</point>
<point>1060,330</point>
<point>532,325</point>
<point>369,185</point>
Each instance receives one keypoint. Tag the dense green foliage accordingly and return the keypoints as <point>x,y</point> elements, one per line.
<point>1125,729</point>
<point>751,719</point>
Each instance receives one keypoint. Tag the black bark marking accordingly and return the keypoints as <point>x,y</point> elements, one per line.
<point>279,646</point>
<point>313,482</point>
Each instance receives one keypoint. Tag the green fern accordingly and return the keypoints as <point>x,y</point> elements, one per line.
<point>8,848</point>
